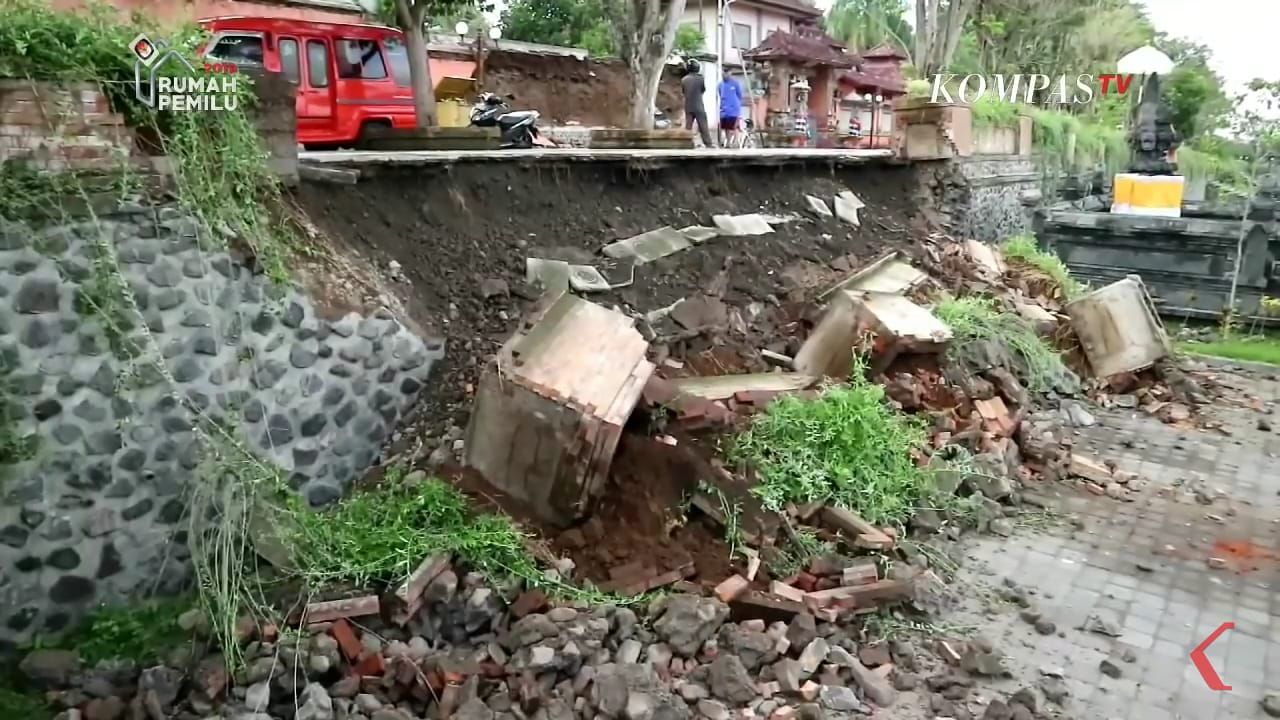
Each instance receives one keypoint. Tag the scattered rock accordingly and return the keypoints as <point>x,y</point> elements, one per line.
<point>1054,688</point>
<point>1271,704</point>
<point>840,699</point>
<point>50,669</point>
<point>1045,627</point>
<point>1109,668</point>
<point>730,680</point>
<point>314,704</point>
<point>688,621</point>
<point>874,687</point>
<point>813,655</point>
<point>1101,624</point>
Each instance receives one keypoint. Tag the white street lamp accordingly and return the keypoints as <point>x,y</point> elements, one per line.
<point>461,29</point>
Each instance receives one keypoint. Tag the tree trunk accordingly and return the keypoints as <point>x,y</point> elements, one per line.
<point>412,17</point>
<point>645,35</point>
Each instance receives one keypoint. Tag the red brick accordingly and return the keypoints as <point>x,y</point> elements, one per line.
<point>347,640</point>
<point>731,588</point>
<point>529,602</point>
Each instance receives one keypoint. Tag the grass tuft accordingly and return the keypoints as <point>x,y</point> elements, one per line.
<point>976,319</point>
<point>846,447</point>
<point>1251,348</point>
<point>379,537</point>
<point>143,632</point>
<point>1023,248</point>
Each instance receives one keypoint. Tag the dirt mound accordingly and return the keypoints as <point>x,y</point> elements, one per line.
<point>462,234</point>
<point>566,89</point>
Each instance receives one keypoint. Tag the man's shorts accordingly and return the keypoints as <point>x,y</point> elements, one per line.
<point>728,123</point>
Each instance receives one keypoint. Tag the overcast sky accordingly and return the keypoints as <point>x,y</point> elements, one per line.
<point>1243,34</point>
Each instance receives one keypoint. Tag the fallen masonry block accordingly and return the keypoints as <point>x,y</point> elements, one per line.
<point>888,275</point>
<point>859,596</point>
<point>742,225</point>
<point>550,274</point>
<point>786,592</point>
<point>847,206</point>
<point>732,587</point>
<point>723,387</point>
<point>648,580</point>
<point>861,573</point>
<point>1118,328</point>
<point>345,608</point>
<point>819,207</point>
<point>409,595</point>
<point>896,322</point>
<point>585,278</point>
<point>698,234</point>
<point>649,246</point>
<point>758,606</point>
<point>996,415</point>
<point>985,255</point>
<point>551,407</point>
<point>1090,470</point>
<point>854,527</point>
<point>1042,320</point>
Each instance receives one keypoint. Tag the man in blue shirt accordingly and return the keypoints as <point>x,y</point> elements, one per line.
<point>730,107</point>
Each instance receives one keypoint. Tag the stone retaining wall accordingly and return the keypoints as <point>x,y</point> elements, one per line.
<point>95,512</point>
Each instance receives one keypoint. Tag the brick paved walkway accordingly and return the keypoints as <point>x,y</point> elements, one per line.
<point>1145,565</point>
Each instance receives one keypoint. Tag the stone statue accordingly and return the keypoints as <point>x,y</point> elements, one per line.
<point>1153,135</point>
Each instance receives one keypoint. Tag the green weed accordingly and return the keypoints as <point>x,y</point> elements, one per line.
<point>976,319</point>
<point>379,536</point>
<point>14,704</point>
<point>846,447</point>
<point>142,633</point>
<point>1023,248</point>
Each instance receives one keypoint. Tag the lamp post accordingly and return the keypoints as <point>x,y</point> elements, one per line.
<point>495,34</point>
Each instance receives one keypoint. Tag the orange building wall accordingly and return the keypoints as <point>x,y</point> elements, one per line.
<point>174,12</point>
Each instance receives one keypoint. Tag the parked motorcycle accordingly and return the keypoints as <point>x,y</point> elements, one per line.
<point>519,128</point>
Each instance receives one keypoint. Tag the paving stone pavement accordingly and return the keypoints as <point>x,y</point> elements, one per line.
<point>1146,565</point>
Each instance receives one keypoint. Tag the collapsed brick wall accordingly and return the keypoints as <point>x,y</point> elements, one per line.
<point>565,89</point>
<point>60,127</point>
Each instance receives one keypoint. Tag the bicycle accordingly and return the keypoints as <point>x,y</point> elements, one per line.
<point>745,138</point>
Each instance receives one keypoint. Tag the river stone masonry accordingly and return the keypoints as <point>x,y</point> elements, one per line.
<point>98,513</point>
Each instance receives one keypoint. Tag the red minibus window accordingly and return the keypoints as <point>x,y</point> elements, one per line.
<point>317,64</point>
<point>399,60</point>
<point>360,60</point>
<point>289,61</point>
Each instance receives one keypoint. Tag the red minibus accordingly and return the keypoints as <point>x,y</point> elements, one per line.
<point>353,79</point>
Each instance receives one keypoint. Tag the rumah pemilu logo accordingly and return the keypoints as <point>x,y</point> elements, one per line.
<point>212,88</point>
<point>1033,89</point>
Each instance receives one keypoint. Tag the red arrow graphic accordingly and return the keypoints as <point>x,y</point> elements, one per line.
<point>1202,663</point>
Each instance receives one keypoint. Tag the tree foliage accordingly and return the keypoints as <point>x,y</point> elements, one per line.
<point>689,40</point>
<point>570,23</point>
<point>864,24</point>
<point>1052,38</point>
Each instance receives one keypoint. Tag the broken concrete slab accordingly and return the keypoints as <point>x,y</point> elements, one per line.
<point>987,256</point>
<point>550,408</point>
<point>704,311</point>
<point>550,274</point>
<point>648,246</point>
<point>910,327</point>
<point>847,206</point>
<point>819,207</point>
<point>742,225</point>
<point>723,387</point>
<point>698,234</point>
<point>586,278</point>
<point>887,274</point>
<point>897,324</point>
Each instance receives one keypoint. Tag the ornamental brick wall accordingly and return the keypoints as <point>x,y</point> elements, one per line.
<point>60,127</point>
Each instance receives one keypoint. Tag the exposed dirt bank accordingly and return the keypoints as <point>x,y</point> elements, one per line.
<point>461,236</point>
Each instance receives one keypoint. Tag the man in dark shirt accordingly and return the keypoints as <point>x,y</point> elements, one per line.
<point>694,111</point>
